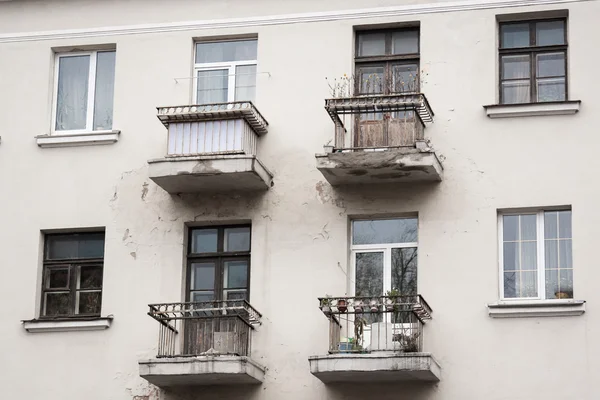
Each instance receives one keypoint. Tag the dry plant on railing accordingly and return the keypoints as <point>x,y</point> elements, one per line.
<point>352,85</point>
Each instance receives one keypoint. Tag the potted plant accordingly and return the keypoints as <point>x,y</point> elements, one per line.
<point>325,304</point>
<point>374,305</point>
<point>358,305</point>
<point>342,306</point>
<point>390,301</point>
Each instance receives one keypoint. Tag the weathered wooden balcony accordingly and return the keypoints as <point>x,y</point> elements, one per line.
<point>378,139</point>
<point>211,148</point>
<point>203,343</point>
<point>375,339</point>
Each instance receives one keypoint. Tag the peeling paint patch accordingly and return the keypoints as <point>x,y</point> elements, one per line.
<point>144,190</point>
<point>126,235</point>
<point>133,254</point>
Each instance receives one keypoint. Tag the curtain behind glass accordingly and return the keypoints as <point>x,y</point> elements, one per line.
<point>72,94</point>
<point>105,89</point>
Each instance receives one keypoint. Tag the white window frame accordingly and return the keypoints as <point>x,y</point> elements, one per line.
<point>541,255</point>
<point>229,65</point>
<point>89,123</point>
<point>386,248</point>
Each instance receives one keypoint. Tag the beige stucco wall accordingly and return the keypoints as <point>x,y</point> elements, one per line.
<point>300,226</point>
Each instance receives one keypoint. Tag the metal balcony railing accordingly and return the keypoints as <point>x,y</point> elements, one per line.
<point>380,323</point>
<point>378,121</point>
<point>204,328</point>
<point>209,129</point>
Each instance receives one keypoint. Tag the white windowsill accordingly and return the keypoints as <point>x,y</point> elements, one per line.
<point>532,109</point>
<point>66,325</point>
<point>80,139</point>
<point>536,308</point>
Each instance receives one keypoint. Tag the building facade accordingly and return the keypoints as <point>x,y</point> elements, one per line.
<point>298,200</point>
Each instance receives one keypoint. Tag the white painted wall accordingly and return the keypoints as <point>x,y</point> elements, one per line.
<point>300,226</point>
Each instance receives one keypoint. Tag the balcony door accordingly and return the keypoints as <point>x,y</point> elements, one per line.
<point>384,262</point>
<point>218,270</point>
<point>387,62</point>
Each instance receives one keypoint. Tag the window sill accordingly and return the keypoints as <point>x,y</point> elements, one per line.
<point>532,109</point>
<point>79,139</point>
<point>536,308</point>
<point>67,324</point>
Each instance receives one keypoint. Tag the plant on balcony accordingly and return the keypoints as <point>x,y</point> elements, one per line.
<point>390,302</point>
<point>359,329</point>
<point>325,304</point>
<point>342,305</point>
<point>347,85</point>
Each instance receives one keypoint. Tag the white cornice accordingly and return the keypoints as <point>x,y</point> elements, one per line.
<point>381,12</point>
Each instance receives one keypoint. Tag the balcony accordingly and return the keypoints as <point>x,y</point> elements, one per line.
<point>379,139</point>
<point>375,339</point>
<point>203,343</point>
<point>211,148</point>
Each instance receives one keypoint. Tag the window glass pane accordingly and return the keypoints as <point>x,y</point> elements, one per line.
<point>89,302</point>
<point>236,295</point>
<point>550,33</point>
<point>204,240</point>
<point>551,89</point>
<point>405,78</point>
<point>199,297</point>
<point>105,88</point>
<point>240,50</point>
<point>401,230</point>
<point>57,278</point>
<point>203,276</point>
<point>510,227</point>
<point>565,284</point>
<point>551,224</point>
<point>72,94</point>
<point>511,256</point>
<point>235,274</point>
<point>371,44</point>
<point>514,35</point>
<point>90,277</point>
<point>369,274</point>
<point>515,67</point>
<point>528,227</point>
<point>550,64</point>
<point>564,221</point>
<point>371,79</point>
<point>245,82</point>
<point>551,253</point>
<point>213,86</point>
<point>57,303</point>
<point>405,42</point>
<point>565,253</point>
<point>514,92</point>
<point>78,245</point>
<point>237,239</point>
<point>528,284</point>
<point>404,271</point>
<point>511,281</point>
<point>551,283</point>
<point>529,256</point>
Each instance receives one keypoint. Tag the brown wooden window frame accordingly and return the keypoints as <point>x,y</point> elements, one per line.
<point>533,51</point>
<point>388,60</point>
<point>219,258</point>
<point>73,267</point>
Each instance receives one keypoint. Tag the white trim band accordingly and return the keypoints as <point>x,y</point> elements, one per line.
<point>81,139</point>
<point>533,109</point>
<point>40,326</point>
<point>537,308</point>
<point>325,16</point>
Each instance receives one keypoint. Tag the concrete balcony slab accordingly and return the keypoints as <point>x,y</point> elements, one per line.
<point>201,370</point>
<point>375,367</point>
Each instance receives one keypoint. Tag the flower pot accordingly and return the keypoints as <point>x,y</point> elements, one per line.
<point>389,305</point>
<point>358,306</point>
<point>374,306</point>
<point>341,306</point>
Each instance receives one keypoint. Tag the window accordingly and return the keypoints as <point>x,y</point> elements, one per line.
<point>533,61</point>
<point>536,255</point>
<point>218,263</point>
<point>387,62</point>
<point>72,276</point>
<point>84,92</point>
<point>384,254</point>
<point>225,71</point>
